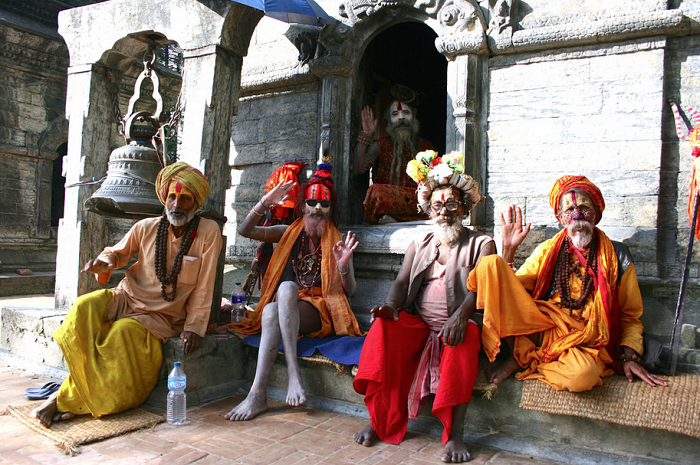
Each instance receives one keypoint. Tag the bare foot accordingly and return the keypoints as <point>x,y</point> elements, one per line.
<point>496,374</point>
<point>386,219</point>
<point>366,436</point>
<point>47,413</point>
<point>296,395</point>
<point>455,452</point>
<point>251,406</point>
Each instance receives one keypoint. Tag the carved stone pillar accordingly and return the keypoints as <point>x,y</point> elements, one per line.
<point>335,102</point>
<point>465,123</point>
<point>211,87</point>
<point>82,235</point>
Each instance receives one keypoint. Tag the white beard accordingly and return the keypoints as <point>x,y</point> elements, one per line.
<point>178,221</point>
<point>581,233</point>
<point>447,232</point>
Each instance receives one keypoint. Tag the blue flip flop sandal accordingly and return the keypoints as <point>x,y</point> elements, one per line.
<point>42,388</point>
<point>43,393</point>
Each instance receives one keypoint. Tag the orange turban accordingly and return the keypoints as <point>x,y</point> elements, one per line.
<point>191,178</point>
<point>566,183</point>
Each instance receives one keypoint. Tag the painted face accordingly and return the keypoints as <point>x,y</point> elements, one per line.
<point>399,111</point>
<point>179,204</point>
<point>318,200</point>
<point>445,202</point>
<point>577,206</point>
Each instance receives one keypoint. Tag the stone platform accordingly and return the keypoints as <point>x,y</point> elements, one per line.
<point>224,367</point>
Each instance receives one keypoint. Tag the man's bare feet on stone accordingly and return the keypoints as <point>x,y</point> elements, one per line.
<point>47,413</point>
<point>496,374</point>
<point>296,395</point>
<point>366,436</point>
<point>248,409</point>
<point>455,452</point>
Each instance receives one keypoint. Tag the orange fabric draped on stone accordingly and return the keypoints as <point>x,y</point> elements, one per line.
<point>510,311</point>
<point>341,315</point>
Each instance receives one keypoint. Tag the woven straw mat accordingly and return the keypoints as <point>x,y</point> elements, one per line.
<point>84,429</point>
<point>674,408</point>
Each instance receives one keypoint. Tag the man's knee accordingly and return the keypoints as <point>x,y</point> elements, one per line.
<point>270,315</point>
<point>287,290</point>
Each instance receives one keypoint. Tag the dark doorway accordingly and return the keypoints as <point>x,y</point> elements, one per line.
<point>58,186</point>
<point>402,54</point>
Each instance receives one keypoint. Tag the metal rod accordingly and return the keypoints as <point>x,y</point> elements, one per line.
<point>675,339</point>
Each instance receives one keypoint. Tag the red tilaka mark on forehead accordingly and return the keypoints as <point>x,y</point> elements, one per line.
<point>178,187</point>
<point>573,199</point>
<point>398,106</point>
<point>443,196</point>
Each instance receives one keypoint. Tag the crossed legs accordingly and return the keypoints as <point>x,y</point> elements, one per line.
<point>283,319</point>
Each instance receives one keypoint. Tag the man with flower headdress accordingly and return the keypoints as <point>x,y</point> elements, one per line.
<point>304,292</point>
<point>392,195</point>
<point>424,338</point>
<point>571,313</point>
<point>111,339</point>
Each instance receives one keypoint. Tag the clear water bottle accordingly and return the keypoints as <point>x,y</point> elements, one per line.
<point>177,401</point>
<point>238,304</point>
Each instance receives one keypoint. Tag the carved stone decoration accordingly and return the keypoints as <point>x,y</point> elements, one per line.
<point>306,43</point>
<point>334,40</point>
<point>460,44</point>
<point>357,10</point>
<point>502,16</point>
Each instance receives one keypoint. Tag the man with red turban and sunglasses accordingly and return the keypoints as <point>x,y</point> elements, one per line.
<point>571,313</point>
<point>305,287</point>
<point>111,339</point>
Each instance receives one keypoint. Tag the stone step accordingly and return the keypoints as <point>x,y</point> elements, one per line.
<point>223,366</point>
<point>40,282</point>
<point>218,369</point>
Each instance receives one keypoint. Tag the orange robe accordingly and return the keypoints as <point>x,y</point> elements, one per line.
<point>332,305</point>
<point>573,355</point>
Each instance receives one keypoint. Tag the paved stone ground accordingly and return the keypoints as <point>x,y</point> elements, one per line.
<point>283,435</point>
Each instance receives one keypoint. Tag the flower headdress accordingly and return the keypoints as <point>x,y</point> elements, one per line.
<point>431,171</point>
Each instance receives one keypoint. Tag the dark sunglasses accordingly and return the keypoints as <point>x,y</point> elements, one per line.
<point>313,202</point>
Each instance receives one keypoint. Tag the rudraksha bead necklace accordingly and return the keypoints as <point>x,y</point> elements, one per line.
<point>308,263</point>
<point>162,254</point>
<point>568,264</point>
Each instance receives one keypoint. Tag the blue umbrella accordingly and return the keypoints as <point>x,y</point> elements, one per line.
<point>291,11</point>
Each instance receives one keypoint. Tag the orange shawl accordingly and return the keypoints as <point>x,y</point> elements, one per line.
<point>344,322</point>
<point>603,327</point>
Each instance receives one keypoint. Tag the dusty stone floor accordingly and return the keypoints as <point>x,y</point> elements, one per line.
<point>282,435</point>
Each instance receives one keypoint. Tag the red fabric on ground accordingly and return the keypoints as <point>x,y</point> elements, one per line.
<point>388,364</point>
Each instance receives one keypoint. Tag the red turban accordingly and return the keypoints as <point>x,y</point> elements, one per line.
<point>566,183</point>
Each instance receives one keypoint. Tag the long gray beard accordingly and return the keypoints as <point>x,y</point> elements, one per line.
<point>181,220</point>
<point>403,138</point>
<point>315,226</point>
<point>581,233</point>
<point>447,233</point>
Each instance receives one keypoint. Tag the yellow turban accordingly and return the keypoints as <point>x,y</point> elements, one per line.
<point>191,178</point>
<point>566,183</point>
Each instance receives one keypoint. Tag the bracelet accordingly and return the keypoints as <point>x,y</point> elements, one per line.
<point>339,272</point>
<point>255,212</point>
<point>512,265</point>
<point>364,138</point>
<point>633,358</point>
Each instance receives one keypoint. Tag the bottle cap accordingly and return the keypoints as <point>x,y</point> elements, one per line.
<point>177,364</point>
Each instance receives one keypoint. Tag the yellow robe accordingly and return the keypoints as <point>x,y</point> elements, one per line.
<point>572,354</point>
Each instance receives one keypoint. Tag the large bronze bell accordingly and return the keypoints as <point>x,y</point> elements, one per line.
<point>128,191</point>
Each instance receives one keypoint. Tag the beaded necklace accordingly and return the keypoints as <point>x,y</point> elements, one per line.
<point>162,253</point>
<point>308,264</point>
<point>568,264</point>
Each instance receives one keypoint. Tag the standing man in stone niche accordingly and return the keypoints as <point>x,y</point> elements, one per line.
<point>111,339</point>
<point>305,287</point>
<point>424,339</point>
<point>571,313</point>
<point>392,195</point>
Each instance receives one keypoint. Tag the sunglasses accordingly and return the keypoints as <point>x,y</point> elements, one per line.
<point>313,202</point>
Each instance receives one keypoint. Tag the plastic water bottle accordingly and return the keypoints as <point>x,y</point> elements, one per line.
<point>177,400</point>
<point>238,304</point>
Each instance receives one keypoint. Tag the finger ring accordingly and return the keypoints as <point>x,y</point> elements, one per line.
<point>509,221</point>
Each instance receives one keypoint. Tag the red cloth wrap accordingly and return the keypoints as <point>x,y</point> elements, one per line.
<point>388,364</point>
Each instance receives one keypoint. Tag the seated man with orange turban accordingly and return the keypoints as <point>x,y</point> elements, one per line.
<point>305,287</point>
<point>571,313</point>
<point>111,339</point>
